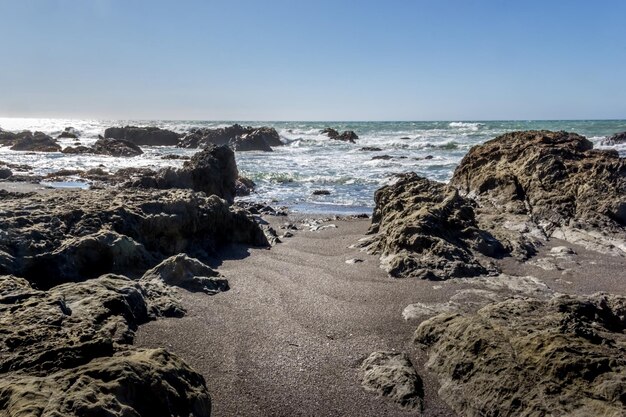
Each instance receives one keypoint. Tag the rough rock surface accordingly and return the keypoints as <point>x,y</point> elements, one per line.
<point>37,142</point>
<point>112,147</point>
<point>212,171</point>
<point>506,197</point>
<point>423,229</point>
<point>5,173</point>
<point>346,136</point>
<point>555,180</point>
<point>147,136</point>
<point>73,235</point>
<point>616,139</point>
<point>69,133</point>
<point>253,141</point>
<point>525,357</point>
<point>392,375</point>
<point>129,383</point>
<point>199,138</point>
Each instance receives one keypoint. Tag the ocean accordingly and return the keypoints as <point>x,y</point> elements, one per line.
<point>310,161</point>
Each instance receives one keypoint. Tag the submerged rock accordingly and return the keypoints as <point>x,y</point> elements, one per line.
<point>146,136</point>
<point>616,139</point>
<point>111,147</point>
<point>68,132</point>
<point>524,357</point>
<point>391,374</point>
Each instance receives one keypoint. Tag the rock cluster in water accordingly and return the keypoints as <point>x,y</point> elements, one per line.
<point>505,198</point>
<point>346,136</point>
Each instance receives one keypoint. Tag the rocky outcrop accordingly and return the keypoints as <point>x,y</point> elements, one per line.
<point>423,229</point>
<point>346,136</point>
<point>68,133</point>
<point>66,351</point>
<point>36,142</point>
<point>129,383</point>
<point>201,137</point>
<point>111,147</point>
<point>212,171</point>
<point>253,141</point>
<point>73,235</point>
<point>505,198</point>
<point>523,357</point>
<point>616,139</point>
<point>144,136</point>
<point>391,374</point>
<point>244,186</point>
<point>555,181</point>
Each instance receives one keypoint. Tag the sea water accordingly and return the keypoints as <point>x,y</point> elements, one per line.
<point>309,161</point>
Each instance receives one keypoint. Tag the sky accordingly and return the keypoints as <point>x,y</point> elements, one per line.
<point>313,60</point>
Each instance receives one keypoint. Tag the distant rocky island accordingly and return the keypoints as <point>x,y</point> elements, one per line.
<point>81,271</point>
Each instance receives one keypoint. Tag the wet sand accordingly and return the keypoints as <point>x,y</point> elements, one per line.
<point>289,336</point>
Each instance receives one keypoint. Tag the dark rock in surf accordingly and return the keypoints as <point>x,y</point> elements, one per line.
<point>110,147</point>
<point>146,136</point>
<point>37,142</point>
<point>253,141</point>
<point>201,137</point>
<point>616,139</point>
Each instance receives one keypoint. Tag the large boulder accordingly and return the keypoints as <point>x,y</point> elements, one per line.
<point>37,142</point>
<point>423,229</point>
<point>212,171</point>
<point>147,382</point>
<point>524,357</point>
<point>146,136</point>
<point>554,179</point>
<point>201,137</point>
<point>253,141</point>
<point>74,235</point>
<point>616,139</point>
<point>506,197</point>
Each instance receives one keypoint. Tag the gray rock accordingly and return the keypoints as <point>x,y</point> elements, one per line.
<point>145,136</point>
<point>616,139</point>
<point>37,142</point>
<point>5,173</point>
<point>392,375</point>
<point>523,357</point>
<point>253,141</point>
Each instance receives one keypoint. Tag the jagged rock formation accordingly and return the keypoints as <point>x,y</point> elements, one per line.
<point>392,375</point>
<point>201,137</point>
<point>144,136</point>
<point>423,229</point>
<point>506,197</point>
<point>111,147</point>
<point>253,141</point>
<point>212,171</point>
<point>346,136</point>
<point>29,141</point>
<point>73,235</point>
<point>616,139</point>
<point>68,133</point>
<point>524,357</point>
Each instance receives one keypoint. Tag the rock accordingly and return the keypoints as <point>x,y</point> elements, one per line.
<point>37,142</point>
<point>253,141</point>
<point>529,357</point>
<point>174,156</point>
<point>244,186</point>
<point>146,382</point>
<point>383,157</point>
<point>423,229</point>
<point>69,132</point>
<point>146,136</point>
<point>553,179</point>
<point>346,136</point>
<point>73,235</point>
<point>199,138</point>
<point>188,273</point>
<point>111,147</point>
<point>616,139</point>
<point>321,192</point>
<point>370,149</point>
<point>212,171</point>
<point>391,374</point>
<point>5,173</point>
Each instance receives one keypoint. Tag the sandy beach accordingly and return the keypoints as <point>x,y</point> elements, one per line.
<point>290,335</point>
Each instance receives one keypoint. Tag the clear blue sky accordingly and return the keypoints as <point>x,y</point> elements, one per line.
<point>313,60</point>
